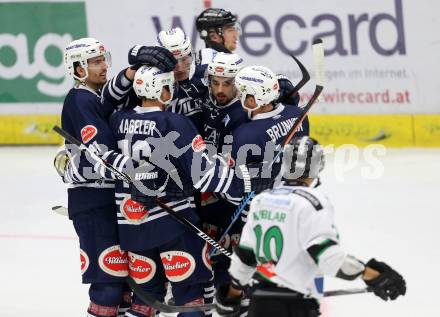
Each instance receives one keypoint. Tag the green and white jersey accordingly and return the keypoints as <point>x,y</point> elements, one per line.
<point>289,228</point>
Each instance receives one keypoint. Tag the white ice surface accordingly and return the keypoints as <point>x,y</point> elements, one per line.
<point>394,218</point>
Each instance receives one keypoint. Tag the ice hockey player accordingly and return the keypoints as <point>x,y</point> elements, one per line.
<point>269,122</point>
<point>290,234</point>
<point>90,196</point>
<point>159,247</point>
<point>222,111</point>
<point>118,92</point>
<point>91,202</point>
<point>220,30</point>
<point>187,98</point>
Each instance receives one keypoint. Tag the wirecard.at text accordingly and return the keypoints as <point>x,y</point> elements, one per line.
<point>362,97</point>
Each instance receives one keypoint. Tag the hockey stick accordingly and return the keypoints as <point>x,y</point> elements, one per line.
<point>150,300</point>
<point>61,210</point>
<point>192,227</point>
<point>84,148</point>
<point>339,292</point>
<point>318,57</point>
<point>349,291</point>
<point>305,76</point>
<point>126,178</point>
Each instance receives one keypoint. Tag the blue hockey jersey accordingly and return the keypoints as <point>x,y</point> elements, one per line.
<point>257,139</point>
<point>187,100</point>
<point>221,121</point>
<point>84,117</point>
<point>171,142</point>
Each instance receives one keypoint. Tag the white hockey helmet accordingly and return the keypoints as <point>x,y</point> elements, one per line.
<point>176,41</point>
<point>225,65</point>
<point>259,82</point>
<point>79,51</point>
<point>149,81</point>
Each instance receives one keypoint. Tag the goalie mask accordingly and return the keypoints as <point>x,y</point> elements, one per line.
<point>259,82</point>
<point>150,81</point>
<point>80,51</point>
<point>303,157</point>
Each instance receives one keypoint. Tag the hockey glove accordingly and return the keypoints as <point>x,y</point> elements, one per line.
<point>60,162</point>
<point>251,175</point>
<point>226,306</point>
<point>286,90</point>
<point>153,56</point>
<point>389,284</point>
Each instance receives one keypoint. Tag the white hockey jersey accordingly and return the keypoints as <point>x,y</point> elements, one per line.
<point>282,225</point>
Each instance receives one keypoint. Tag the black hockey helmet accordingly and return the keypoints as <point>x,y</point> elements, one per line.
<point>214,19</point>
<point>303,157</point>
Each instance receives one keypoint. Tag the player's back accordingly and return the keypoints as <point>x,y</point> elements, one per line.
<point>282,223</point>
<point>144,133</point>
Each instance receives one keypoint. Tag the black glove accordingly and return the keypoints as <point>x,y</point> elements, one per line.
<point>389,284</point>
<point>254,180</point>
<point>153,56</point>
<point>226,306</point>
<point>286,90</point>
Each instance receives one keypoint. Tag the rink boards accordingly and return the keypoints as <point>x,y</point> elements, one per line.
<point>399,130</point>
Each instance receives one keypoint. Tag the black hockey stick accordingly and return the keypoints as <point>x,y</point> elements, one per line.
<point>84,148</point>
<point>318,57</point>
<point>150,300</point>
<point>305,76</point>
<point>193,228</point>
<point>126,178</point>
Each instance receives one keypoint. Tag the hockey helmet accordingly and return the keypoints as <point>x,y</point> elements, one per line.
<point>225,65</point>
<point>303,157</point>
<point>214,19</point>
<point>79,51</point>
<point>259,82</point>
<point>176,41</point>
<point>149,82</point>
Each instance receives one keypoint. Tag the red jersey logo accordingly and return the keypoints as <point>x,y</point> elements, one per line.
<point>198,144</point>
<point>178,265</point>
<point>141,268</point>
<point>133,211</point>
<point>114,261</point>
<point>84,261</point>
<point>266,270</point>
<point>88,133</point>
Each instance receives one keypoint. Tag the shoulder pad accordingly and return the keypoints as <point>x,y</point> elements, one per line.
<point>311,198</point>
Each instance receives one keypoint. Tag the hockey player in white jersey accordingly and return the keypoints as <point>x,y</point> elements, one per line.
<point>290,237</point>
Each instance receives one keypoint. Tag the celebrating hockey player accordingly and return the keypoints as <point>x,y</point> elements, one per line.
<point>222,110</point>
<point>291,236</point>
<point>187,97</point>
<point>91,202</point>
<point>91,197</point>
<point>159,247</point>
